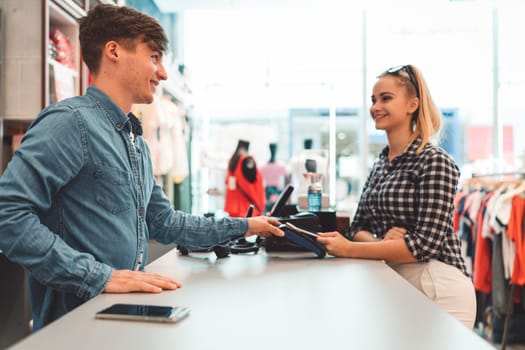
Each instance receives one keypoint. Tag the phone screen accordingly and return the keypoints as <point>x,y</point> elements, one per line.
<point>144,312</point>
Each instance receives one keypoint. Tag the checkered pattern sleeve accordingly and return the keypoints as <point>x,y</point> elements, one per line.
<point>416,192</point>
<point>435,189</point>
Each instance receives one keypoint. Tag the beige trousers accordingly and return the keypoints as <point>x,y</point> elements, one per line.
<point>444,284</point>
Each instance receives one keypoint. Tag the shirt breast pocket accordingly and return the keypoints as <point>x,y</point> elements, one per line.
<point>112,189</point>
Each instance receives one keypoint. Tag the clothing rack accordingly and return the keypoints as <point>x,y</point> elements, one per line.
<point>508,316</point>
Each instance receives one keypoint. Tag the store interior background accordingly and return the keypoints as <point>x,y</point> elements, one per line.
<point>283,71</point>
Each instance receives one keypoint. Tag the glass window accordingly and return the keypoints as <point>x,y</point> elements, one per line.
<point>260,66</point>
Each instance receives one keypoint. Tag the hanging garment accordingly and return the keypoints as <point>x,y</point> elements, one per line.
<point>179,139</point>
<point>483,252</point>
<point>149,117</point>
<point>515,233</point>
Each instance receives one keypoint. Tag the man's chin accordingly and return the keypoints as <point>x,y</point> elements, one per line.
<point>146,100</point>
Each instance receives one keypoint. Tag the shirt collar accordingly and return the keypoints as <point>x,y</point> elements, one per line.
<point>113,112</point>
<point>136,125</point>
<point>410,151</point>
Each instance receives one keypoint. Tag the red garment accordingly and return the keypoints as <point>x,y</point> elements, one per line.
<point>515,231</point>
<point>457,214</point>
<point>483,256</point>
<point>240,192</point>
<point>63,50</point>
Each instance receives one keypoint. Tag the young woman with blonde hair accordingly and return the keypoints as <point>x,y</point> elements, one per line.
<point>405,213</point>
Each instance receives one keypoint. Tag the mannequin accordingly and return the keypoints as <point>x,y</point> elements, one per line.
<point>299,164</point>
<point>273,150</point>
<point>244,183</point>
<point>274,174</point>
<point>307,143</point>
<point>248,164</point>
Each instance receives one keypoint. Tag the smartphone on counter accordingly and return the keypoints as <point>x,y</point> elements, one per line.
<point>148,313</point>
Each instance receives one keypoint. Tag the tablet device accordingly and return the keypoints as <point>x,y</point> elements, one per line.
<point>140,312</point>
<point>307,241</point>
<point>300,230</point>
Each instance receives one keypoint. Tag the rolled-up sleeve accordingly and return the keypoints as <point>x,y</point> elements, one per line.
<point>436,188</point>
<point>168,226</point>
<point>39,170</point>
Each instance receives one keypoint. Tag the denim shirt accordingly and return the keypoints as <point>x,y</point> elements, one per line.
<point>79,199</point>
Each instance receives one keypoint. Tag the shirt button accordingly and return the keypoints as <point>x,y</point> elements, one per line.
<point>141,212</point>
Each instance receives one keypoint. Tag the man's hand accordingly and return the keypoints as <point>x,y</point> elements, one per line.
<point>263,226</point>
<point>125,281</point>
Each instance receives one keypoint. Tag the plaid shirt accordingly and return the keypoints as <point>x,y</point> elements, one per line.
<point>415,192</point>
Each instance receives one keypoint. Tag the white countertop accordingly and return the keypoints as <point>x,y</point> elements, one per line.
<point>277,301</point>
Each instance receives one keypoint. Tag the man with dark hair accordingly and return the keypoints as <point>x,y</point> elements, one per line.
<point>78,201</point>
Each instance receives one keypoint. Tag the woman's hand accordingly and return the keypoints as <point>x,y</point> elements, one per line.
<point>395,233</point>
<point>392,248</point>
<point>336,244</point>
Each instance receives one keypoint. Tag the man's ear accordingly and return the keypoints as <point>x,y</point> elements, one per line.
<point>111,51</point>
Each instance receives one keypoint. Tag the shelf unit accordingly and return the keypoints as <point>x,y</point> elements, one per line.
<point>56,85</point>
<point>30,78</point>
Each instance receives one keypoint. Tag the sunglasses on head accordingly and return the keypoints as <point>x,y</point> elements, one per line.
<point>395,71</point>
